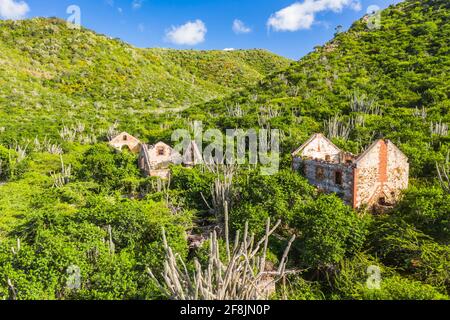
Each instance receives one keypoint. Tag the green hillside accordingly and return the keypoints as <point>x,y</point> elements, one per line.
<point>230,69</point>
<point>70,202</point>
<point>49,72</point>
<point>393,81</point>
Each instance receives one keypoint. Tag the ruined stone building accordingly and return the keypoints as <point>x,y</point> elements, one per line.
<point>126,140</point>
<point>154,160</point>
<point>374,179</point>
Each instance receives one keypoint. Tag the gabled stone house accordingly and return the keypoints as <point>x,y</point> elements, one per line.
<point>154,160</point>
<point>126,140</point>
<point>374,179</point>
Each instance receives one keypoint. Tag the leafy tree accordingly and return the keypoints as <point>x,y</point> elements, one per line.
<point>108,167</point>
<point>330,231</point>
<point>400,245</point>
<point>259,197</point>
<point>428,209</point>
<point>5,166</point>
<point>398,288</point>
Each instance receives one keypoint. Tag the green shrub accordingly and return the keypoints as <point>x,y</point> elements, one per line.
<point>329,231</point>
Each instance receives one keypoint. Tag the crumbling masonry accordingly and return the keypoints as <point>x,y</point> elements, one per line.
<point>374,179</point>
<point>155,160</point>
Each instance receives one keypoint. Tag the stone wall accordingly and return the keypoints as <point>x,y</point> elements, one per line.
<point>161,153</point>
<point>398,168</point>
<point>155,160</point>
<point>320,148</point>
<point>375,178</point>
<point>367,176</point>
<point>382,174</point>
<point>323,175</point>
<point>126,140</point>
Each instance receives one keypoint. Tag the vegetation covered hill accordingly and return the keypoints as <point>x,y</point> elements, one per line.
<point>234,69</point>
<point>68,201</point>
<point>50,72</point>
<point>392,81</point>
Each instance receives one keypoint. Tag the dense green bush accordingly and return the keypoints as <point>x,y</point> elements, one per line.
<point>110,239</point>
<point>400,245</point>
<point>107,218</point>
<point>428,209</point>
<point>108,167</point>
<point>259,197</point>
<point>5,166</point>
<point>189,184</point>
<point>329,231</point>
<point>357,278</point>
<point>398,288</point>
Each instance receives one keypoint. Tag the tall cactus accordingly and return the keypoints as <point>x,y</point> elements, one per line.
<point>241,276</point>
<point>444,174</point>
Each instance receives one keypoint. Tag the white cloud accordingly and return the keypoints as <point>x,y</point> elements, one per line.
<point>239,27</point>
<point>141,27</point>
<point>356,5</point>
<point>137,4</point>
<point>302,15</point>
<point>229,49</point>
<point>11,9</point>
<point>191,33</point>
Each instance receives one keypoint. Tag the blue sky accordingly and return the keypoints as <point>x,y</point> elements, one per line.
<point>287,27</point>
